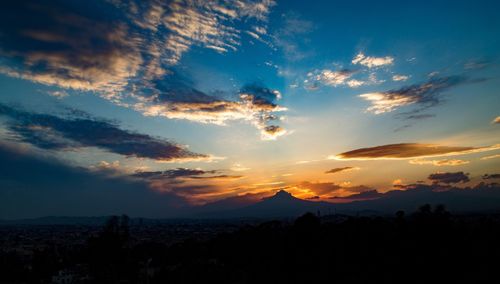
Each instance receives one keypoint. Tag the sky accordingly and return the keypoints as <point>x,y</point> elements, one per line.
<point>153,107</point>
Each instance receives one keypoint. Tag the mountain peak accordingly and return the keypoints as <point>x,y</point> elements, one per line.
<point>283,194</point>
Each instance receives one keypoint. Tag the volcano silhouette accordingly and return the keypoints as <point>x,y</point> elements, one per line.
<point>282,204</point>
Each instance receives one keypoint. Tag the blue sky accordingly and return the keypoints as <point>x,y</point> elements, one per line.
<point>258,95</point>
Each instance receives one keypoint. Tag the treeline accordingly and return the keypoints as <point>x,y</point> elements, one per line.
<point>429,245</point>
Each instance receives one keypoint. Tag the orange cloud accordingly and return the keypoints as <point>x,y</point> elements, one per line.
<point>409,151</point>
<point>491,157</point>
<point>439,163</point>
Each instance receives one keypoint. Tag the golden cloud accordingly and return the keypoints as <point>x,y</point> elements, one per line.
<point>409,151</point>
<point>444,162</point>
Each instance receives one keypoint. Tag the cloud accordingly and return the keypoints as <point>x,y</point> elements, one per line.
<point>272,132</point>
<point>475,64</point>
<point>490,157</point>
<point>209,24</point>
<point>125,50</point>
<point>58,94</point>
<point>182,173</point>
<point>291,39</point>
<point>366,195</point>
<point>63,46</point>
<point>343,169</point>
<point>409,151</point>
<point>325,189</point>
<point>444,162</point>
<point>58,133</point>
<point>330,77</point>
<point>178,100</point>
<point>195,185</point>
<point>400,77</point>
<point>491,176</point>
<point>418,116</point>
<point>173,173</point>
<point>236,167</point>
<point>496,120</point>
<point>372,62</point>
<point>448,178</point>
<point>104,165</point>
<point>320,188</point>
<point>425,95</point>
<point>355,83</point>
<point>218,177</point>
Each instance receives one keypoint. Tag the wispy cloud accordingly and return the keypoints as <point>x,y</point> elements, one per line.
<point>60,46</point>
<point>409,151</point>
<point>342,169</point>
<point>490,157</point>
<point>424,95</point>
<point>331,78</point>
<point>58,94</point>
<point>491,176</point>
<point>327,189</point>
<point>398,78</point>
<point>292,37</point>
<point>371,62</point>
<point>237,167</point>
<point>127,57</point>
<point>444,162</point>
<point>209,23</point>
<point>172,173</point>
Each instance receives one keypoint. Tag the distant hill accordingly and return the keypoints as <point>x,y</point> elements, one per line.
<point>58,220</point>
<point>481,199</point>
<point>282,204</point>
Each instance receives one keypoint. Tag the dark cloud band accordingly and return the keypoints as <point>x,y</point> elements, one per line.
<point>57,133</point>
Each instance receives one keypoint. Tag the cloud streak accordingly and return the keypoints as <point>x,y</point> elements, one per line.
<point>372,62</point>
<point>409,151</point>
<point>439,163</point>
<point>449,178</point>
<point>182,173</point>
<point>342,169</point>
<point>425,95</point>
<point>490,157</point>
<point>491,176</point>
